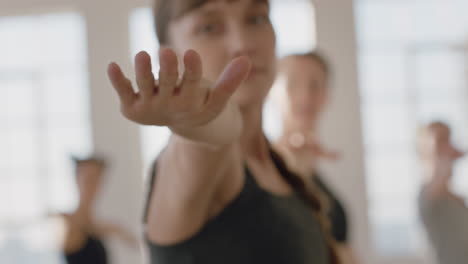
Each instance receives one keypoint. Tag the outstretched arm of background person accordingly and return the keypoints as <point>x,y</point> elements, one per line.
<point>105,230</point>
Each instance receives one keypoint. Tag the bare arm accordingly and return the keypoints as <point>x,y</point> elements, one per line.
<point>113,230</point>
<point>202,150</point>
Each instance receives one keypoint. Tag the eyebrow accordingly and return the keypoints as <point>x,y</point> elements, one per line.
<point>266,2</point>
<point>193,5</point>
<point>198,4</point>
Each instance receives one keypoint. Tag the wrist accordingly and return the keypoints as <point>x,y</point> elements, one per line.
<point>221,130</point>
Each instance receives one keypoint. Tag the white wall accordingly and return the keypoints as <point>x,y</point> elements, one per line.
<point>114,136</point>
<point>122,196</point>
<point>341,128</point>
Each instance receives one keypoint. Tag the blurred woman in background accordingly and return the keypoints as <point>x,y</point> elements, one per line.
<point>83,241</point>
<point>302,90</point>
<point>443,212</point>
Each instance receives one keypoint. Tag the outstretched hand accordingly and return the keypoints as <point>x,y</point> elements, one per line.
<point>171,101</point>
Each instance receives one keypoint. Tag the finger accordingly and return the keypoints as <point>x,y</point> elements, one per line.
<point>121,84</point>
<point>144,75</point>
<point>330,155</point>
<point>234,74</point>
<point>320,151</point>
<point>192,75</point>
<point>168,74</point>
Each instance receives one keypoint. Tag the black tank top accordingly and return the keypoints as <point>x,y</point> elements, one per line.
<point>257,227</point>
<point>93,252</point>
<point>337,213</point>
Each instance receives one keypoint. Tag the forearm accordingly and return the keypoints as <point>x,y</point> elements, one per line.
<point>206,154</point>
<point>188,176</point>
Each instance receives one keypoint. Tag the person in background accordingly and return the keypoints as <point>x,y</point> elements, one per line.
<point>443,212</point>
<point>219,193</point>
<point>83,236</point>
<point>303,90</point>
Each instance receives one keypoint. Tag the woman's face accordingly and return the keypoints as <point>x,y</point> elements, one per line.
<point>441,145</point>
<point>221,30</point>
<point>307,90</point>
<point>88,178</point>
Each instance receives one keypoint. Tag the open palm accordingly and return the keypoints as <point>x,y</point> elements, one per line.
<point>174,101</point>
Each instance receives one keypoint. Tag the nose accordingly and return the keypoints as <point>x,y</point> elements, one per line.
<point>240,42</point>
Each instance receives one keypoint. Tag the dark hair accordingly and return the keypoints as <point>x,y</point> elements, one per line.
<point>313,197</point>
<point>166,10</point>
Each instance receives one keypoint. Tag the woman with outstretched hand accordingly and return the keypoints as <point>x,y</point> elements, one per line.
<point>219,194</point>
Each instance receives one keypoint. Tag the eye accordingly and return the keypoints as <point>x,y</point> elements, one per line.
<point>210,28</point>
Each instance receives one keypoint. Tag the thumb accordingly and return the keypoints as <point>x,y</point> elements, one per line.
<point>234,74</point>
<point>459,154</point>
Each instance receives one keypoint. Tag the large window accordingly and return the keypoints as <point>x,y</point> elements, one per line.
<point>413,69</point>
<point>43,120</point>
<point>294,23</point>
